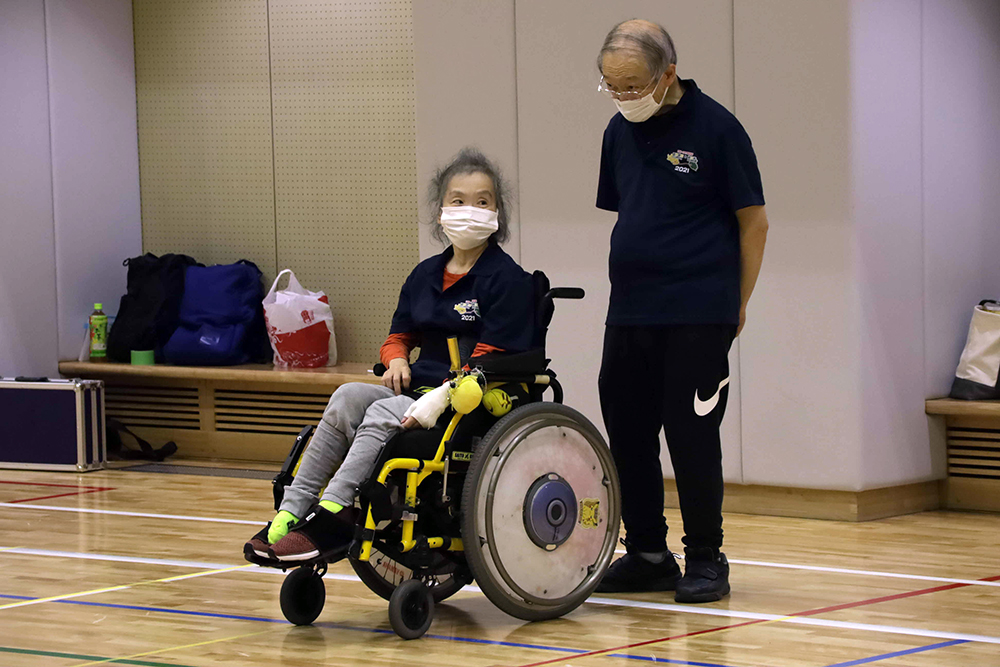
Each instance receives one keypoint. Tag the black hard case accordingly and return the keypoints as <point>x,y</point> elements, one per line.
<point>52,425</point>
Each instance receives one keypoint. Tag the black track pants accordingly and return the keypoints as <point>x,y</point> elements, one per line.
<point>675,378</point>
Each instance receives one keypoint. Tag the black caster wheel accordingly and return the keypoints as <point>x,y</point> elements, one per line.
<point>302,596</point>
<point>411,609</point>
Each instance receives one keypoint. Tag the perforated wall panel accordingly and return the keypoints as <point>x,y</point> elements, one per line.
<point>204,115</point>
<point>345,155</point>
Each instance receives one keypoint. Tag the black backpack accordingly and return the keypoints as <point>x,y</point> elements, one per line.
<point>147,315</point>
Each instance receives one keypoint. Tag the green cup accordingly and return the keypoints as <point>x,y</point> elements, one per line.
<point>143,358</point>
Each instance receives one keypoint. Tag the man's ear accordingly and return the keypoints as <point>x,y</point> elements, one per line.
<point>667,80</point>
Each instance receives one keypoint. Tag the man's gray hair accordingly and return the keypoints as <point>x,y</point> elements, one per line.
<point>653,43</point>
<point>470,161</point>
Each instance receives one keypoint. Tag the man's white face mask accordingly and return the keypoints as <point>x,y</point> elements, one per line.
<point>637,111</point>
<point>468,227</point>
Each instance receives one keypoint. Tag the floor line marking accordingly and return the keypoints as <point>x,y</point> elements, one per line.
<point>84,510</point>
<point>63,486</point>
<point>755,563</point>
<point>797,618</point>
<point>801,618</point>
<point>661,640</point>
<point>109,589</point>
<point>844,570</point>
<point>669,661</point>
<point>173,648</point>
<point>82,656</point>
<point>897,654</point>
<point>57,495</point>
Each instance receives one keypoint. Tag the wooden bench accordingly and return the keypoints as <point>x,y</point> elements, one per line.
<point>250,412</point>
<point>972,431</point>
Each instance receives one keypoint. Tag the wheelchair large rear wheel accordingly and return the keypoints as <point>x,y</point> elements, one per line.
<point>383,575</point>
<point>540,511</point>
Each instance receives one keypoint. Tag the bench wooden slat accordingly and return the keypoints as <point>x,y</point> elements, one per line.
<point>247,373</point>
<point>952,406</point>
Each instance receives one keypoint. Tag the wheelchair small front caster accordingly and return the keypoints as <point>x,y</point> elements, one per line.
<point>303,595</point>
<point>411,609</point>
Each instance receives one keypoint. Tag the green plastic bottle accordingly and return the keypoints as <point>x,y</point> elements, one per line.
<point>98,334</point>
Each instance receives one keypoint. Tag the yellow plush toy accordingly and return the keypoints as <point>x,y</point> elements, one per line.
<point>466,395</point>
<point>497,402</point>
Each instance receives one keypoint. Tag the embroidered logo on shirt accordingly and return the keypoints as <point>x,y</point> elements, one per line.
<point>469,310</point>
<point>683,161</point>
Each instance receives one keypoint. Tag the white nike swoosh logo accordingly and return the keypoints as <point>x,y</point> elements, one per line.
<point>702,408</point>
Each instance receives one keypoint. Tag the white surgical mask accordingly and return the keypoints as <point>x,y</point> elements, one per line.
<point>636,111</point>
<point>468,226</point>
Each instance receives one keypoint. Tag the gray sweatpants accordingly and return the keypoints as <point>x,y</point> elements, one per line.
<point>359,419</point>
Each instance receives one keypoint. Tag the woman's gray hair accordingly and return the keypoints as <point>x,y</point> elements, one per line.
<point>652,42</point>
<point>470,161</point>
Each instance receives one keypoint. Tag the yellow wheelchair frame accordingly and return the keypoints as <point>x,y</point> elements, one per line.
<point>419,470</point>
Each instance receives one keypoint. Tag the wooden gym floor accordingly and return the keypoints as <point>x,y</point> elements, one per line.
<point>140,568</point>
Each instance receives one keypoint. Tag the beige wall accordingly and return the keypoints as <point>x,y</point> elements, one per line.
<point>284,132</point>
<point>561,118</point>
<point>799,353</point>
<point>465,94</point>
<point>872,244</point>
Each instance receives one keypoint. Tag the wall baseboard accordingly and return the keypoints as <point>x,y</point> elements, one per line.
<point>969,493</point>
<point>825,504</point>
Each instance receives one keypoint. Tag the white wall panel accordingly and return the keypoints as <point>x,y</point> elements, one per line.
<point>28,342</point>
<point>95,160</point>
<point>885,123</point>
<point>961,174</point>
<point>799,357</point>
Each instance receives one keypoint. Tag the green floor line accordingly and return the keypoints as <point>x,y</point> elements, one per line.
<point>80,656</point>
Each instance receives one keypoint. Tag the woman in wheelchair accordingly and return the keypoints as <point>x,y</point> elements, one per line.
<point>472,291</point>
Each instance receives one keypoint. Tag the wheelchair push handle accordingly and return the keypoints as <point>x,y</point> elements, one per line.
<point>565,293</point>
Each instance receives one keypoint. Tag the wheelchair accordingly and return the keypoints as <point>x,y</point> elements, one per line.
<point>525,505</point>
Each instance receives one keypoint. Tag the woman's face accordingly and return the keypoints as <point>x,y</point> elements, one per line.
<point>474,189</point>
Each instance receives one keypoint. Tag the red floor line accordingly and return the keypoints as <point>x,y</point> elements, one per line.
<point>889,598</point>
<point>59,495</point>
<point>64,486</point>
<point>638,644</point>
<point>811,612</point>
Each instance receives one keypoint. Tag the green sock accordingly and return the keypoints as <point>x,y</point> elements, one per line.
<point>331,506</point>
<point>280,526</point>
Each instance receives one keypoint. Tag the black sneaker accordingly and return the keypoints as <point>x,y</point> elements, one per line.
<point>706,576</point>
<point>634,574</point>
<point>322,534</point>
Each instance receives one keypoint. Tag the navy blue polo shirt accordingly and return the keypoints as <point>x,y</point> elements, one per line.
<point>676,181</point>
<point>493,304</point>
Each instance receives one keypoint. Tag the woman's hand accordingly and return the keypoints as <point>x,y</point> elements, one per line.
<point>397,376</point>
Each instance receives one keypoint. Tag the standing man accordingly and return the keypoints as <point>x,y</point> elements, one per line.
<point>679,170</point>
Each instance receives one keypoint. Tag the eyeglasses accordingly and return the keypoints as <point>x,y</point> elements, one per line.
<point>631,93</point>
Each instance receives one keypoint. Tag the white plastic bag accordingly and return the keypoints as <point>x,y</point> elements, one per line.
<point>300,325</point>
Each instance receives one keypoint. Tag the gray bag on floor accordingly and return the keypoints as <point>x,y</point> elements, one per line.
<point>979,367</point>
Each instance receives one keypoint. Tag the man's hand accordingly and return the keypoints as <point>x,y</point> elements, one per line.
<point>397,376</point>
<point>409,423</point>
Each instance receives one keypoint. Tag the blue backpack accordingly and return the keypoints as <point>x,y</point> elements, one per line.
<point>221,317</point>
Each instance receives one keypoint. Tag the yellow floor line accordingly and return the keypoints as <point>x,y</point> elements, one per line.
<point>67,596</point>
<point>174,648</point>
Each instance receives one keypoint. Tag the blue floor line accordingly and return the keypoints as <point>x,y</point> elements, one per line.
<point>666,661</point>
<point>896,654</point>
<point>262,619</point>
